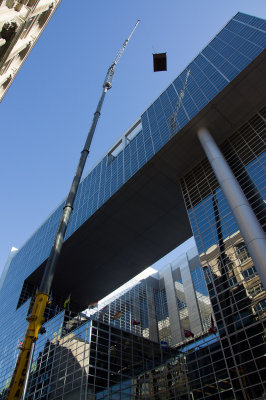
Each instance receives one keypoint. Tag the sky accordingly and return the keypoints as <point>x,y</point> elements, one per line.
<point>47,112</point>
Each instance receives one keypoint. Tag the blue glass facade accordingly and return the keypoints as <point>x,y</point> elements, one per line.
<point>235,289</point>
<point>238,43</point>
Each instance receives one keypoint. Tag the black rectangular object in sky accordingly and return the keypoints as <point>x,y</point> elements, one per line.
<point>159,62</point>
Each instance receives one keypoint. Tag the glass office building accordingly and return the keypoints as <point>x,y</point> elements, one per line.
<point>236,291</point>
<point>222,89</point>
<point>129,345</point>
<point>93,361</point>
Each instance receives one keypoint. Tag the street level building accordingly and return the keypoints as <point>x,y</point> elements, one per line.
<point>128,344</point>
<point>193,163</point>
<point>21,24</point>
<point>154,338</point>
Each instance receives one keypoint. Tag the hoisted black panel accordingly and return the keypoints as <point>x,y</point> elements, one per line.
<point>159,62</point>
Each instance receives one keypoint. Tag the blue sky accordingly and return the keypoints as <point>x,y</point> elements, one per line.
<point>46,114</point>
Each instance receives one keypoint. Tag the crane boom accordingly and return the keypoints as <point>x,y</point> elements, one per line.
<point>110,72</point>
<point>119,54</point>
<point>173,118</point>
<point>36,317</point>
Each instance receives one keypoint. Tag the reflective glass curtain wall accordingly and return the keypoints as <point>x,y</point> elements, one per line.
<point>238,43</point>
<point>237,295</point>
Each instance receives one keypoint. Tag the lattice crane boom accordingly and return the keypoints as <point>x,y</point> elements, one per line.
<point>110,72</point>
<point>179,102</point>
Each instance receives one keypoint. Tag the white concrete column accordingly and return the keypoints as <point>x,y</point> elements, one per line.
<point>190,295</point>
<point>175,326</point>
<point>136,310</point>
<point>246,220</point>
<point>153,327</point>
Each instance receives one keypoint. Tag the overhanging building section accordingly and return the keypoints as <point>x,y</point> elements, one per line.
<point>129,211</point>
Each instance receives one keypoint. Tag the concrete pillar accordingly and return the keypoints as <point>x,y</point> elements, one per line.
<point>136,309</point>
<point>153,327</point>
<point>175,326</point>
<point>190,295</point>
<point>246,220</point>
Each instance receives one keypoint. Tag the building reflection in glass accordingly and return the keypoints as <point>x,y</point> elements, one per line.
<point>237,295</point>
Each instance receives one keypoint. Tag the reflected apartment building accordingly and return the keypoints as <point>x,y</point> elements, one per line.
<point>195,329</point>
<point>21,24</point>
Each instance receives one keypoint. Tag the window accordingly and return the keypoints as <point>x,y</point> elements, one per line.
<point>22,54</point>
<point>5,67</point>
<point>256,290</point>
<point>44,17</point>
<point>207,274</point>
<point>31,3</point>
<point>133,132</point>
<point>115,151</point>
<point>233,281</point>
<point>248,273</point>
<point>242,251</point>
<point>7,82</point>
<point>261,306</point>
<point>29,24</point>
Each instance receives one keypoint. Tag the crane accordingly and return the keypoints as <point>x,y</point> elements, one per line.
<point>173,118</point>
<point>17,387</point>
